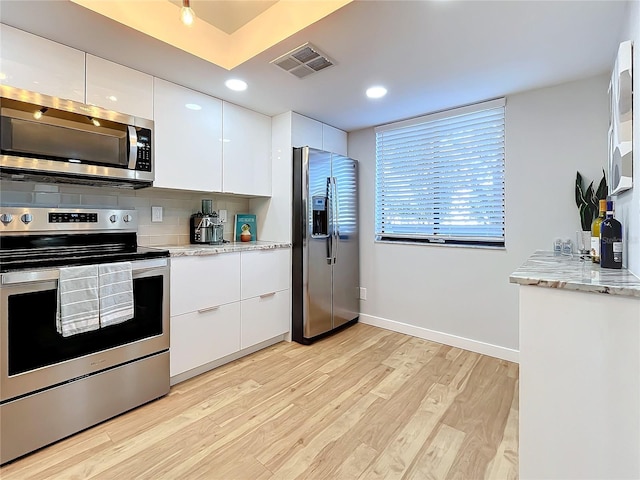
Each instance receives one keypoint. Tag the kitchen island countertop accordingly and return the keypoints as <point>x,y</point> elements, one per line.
<point>204,249</point>
<point>544,269</point>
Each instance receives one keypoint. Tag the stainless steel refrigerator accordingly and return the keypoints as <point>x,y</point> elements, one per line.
<point>325,253</point>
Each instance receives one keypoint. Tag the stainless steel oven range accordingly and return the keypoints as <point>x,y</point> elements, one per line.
<point>52,385</point>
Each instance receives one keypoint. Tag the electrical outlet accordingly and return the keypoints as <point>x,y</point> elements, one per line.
<point>222,215</point>
<point>156,214</point>
<point>363,293</point>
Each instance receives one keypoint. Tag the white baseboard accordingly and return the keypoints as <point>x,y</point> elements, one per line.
<point>445,338</point>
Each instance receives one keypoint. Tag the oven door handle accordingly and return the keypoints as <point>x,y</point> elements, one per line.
<point>54,273</point>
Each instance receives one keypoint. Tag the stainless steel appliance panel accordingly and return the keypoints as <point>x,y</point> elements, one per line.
<point>49,139</point>
<point>318,281</point>
<point>346,267</point>
<point>42,287</point>
<point>325,265</point>
<point>46,416</point>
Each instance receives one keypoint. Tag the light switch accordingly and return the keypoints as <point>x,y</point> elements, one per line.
<point>156,214</point>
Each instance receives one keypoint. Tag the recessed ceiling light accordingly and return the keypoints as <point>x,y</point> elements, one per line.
<point>193,106</point>
<point>236,84</point>
<point>113,98</point>
<point>376,92</point>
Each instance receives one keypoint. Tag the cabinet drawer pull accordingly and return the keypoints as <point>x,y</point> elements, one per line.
<point>265,295</point>
<point>208,309</point>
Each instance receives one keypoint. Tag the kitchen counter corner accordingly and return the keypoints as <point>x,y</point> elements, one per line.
<point>544,269</point>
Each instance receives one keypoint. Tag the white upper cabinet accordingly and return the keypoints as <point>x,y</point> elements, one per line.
<point>334,140</point>
<point>33,63</point>
<point>188,138</point>
<point>307,132</point>
<point>119,88</point>
<point>246,151</point>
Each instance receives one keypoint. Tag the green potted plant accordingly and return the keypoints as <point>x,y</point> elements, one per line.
<point>587,201</point>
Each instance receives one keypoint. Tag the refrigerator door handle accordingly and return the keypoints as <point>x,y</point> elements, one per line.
<point>336,219</point>
<point>329,249</point>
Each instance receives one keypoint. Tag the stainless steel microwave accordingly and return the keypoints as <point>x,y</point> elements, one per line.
<point>46,138</point>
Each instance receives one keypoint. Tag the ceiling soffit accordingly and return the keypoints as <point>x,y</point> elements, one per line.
<point>258,32</point>
<point>228,15</point>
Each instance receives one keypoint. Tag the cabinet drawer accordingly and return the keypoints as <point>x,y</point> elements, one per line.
<point>264,271</point>
<point>200,282</point>
<point>264,318</point>
<point>200,338</point>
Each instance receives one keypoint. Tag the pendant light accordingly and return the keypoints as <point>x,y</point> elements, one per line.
<point>186,13</point>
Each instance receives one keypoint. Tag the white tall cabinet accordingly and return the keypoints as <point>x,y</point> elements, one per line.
<point>246,151</point>
<point>188,138</point>
<point>33,63</point>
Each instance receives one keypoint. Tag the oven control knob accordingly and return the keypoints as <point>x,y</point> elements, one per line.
<point>127,218</point>
<point>6,218</point>
<point>113,218</point>
<point>26,218</point>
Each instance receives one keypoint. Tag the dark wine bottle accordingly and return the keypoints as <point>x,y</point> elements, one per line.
<point>610,240</point>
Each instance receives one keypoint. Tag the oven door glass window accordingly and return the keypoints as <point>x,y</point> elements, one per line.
<point>34,342</point>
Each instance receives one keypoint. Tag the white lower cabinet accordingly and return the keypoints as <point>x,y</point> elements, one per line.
<point>225,303</point>
<point>264,317</point>
<point>200,337</point>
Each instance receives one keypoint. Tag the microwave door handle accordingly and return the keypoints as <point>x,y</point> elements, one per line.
<point>133,147</point>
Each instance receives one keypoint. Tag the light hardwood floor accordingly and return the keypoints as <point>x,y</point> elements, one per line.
<point>366,403</point>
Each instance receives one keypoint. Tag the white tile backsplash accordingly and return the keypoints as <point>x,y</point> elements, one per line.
<point>177,206</point>
<point>44,199</point>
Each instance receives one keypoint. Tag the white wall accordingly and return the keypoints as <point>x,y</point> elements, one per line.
<point>462,296</point>
<point>628,203</point>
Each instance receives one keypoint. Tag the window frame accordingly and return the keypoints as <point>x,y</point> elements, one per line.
<point>459,240</point>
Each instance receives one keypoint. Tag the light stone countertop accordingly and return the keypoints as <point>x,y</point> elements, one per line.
<point>204,249</point>
<point>544,269</point>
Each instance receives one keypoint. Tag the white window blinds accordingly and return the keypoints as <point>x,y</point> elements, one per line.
<point>440,178</point>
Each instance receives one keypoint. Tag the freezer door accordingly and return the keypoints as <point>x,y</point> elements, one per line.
<point>318,251</point>
<point>346,267</point>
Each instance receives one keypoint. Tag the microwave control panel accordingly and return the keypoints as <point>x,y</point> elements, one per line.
<point>143,161</point>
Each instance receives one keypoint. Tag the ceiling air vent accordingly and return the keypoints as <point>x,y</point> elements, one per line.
<point>303,61</point>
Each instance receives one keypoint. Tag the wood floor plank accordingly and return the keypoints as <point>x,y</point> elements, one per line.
<point>396,459</point>
<point>436,461</point>
<point>505,463</point>
<point>59,456</point>
<point>331,408</point>
<point>481,411</point>
<point>366,403</point>
<point>356,463</point>
<point>298,463</point>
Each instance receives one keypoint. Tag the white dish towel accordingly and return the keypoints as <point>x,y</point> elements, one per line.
<point>78,306</point>
<point>116,293</point>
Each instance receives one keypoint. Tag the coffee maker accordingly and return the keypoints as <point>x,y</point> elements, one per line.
<point>205,227</point>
